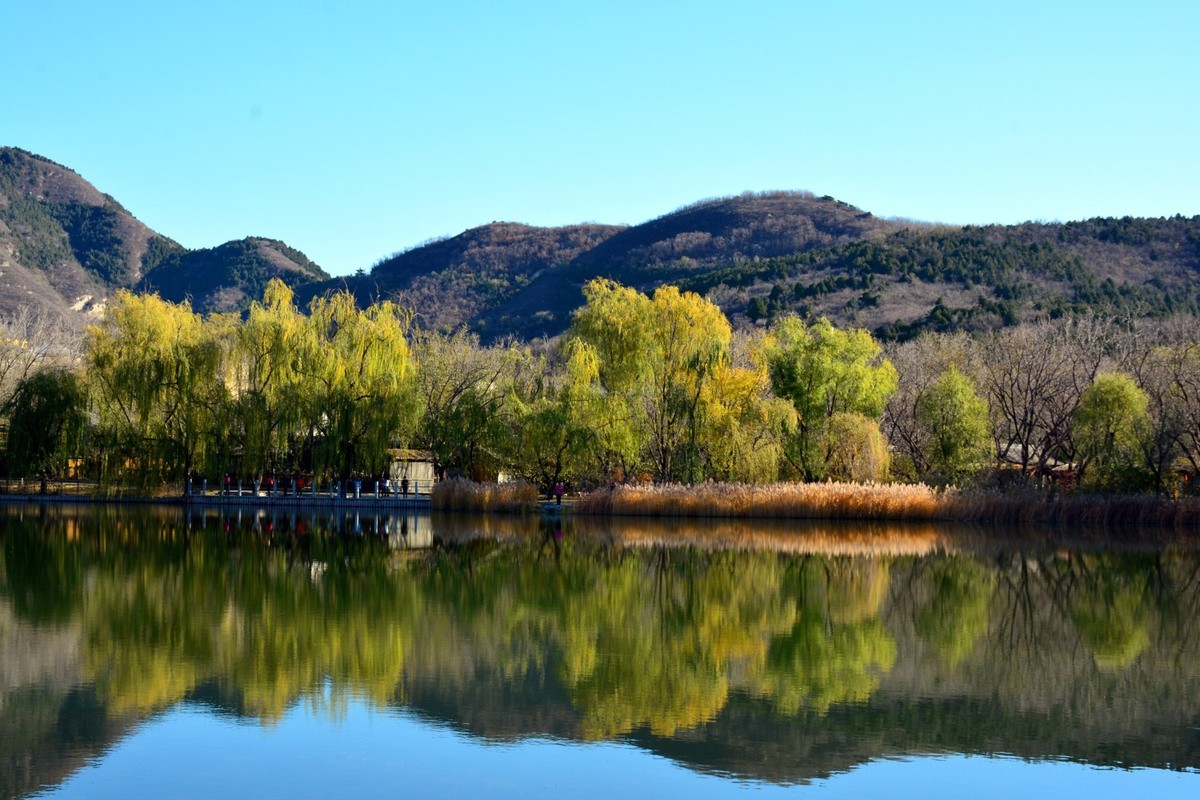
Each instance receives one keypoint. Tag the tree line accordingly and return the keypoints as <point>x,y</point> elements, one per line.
<point>641,387</point>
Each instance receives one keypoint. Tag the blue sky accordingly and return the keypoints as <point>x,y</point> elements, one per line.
<point>354,129</point>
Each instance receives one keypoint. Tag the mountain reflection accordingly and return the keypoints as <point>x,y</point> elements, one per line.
<point>776,652</point>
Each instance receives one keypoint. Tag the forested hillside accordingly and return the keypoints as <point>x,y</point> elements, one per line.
<point>975,278</point>
<point>759,256</point>
<point>451,282</point>
<point>685,243</point>
<point>229,276</point>
<point>65,246</point>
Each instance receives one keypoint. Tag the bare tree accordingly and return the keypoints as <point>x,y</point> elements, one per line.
<point>919,363</point>
<point>32,339</point>
<point>463,386</point>
<point>1164,359</point>
<point>1033,377</point>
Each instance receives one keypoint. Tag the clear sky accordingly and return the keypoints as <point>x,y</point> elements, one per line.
<point>354,129</point>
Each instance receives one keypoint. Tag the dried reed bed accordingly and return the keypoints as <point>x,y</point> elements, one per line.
<point>894,502</point>
<point>857,501</point>
<point>460,494</point>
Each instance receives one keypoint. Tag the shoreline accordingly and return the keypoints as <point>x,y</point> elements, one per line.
<point>418,502</point>
<point>781,501</point>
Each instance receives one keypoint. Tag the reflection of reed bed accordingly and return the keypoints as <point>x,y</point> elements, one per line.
<point>798,537</point>
<point>893,502</point>
<point>460,494</point>
<point>1129,514</point>
<point>459,527</point>
<point>857,501</point>
<point>871,539</point>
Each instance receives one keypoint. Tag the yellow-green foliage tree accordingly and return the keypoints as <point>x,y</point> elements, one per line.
<point>175,392</point>
<point>855,448</point>
<point>265,381</point>
<point>957,427</point>
<point>159,393</point>
<point>361,389</point>
<point>740,434</point>
<point>654,356</point>
<point>560,431</point>
<point>656,374</point>
<point>1108,427</point>
<point>824,371</point>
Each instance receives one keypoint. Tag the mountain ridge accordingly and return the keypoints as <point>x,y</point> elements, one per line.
<point>66,246</point>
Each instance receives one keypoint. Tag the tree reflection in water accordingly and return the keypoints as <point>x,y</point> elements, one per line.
<point>898,639</point>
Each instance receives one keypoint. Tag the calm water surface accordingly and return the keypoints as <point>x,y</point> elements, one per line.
<point>170,654</point>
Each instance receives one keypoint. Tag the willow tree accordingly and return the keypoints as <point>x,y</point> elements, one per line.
<point>47,419</point>
<point>606,370</point>
<point>1109,424</point>
<point>742,421</point>
<point>824,371</point>
<point>655,356</point>
<point>266,381</point>
<point>355,386</point>
<point>605,415</point>
<point>564,427</point>
<point>957,427</point>
<point>158,390</point>
<point>688,343</point>
<point>855,449</point>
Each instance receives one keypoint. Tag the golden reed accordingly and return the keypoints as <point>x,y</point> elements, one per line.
<point>460,494</point>
<point>777,500</point>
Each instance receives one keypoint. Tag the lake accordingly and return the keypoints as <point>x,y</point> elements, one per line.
<point>158,652</point>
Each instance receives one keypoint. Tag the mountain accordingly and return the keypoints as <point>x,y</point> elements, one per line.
<point>451,282</point>
<point>681,245</point>
<point>229,276</point>
<point>66,248</point>
<point>762,255</point>
<point>938,278</point>
<point>63,244</point>
<point>508,279</point>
